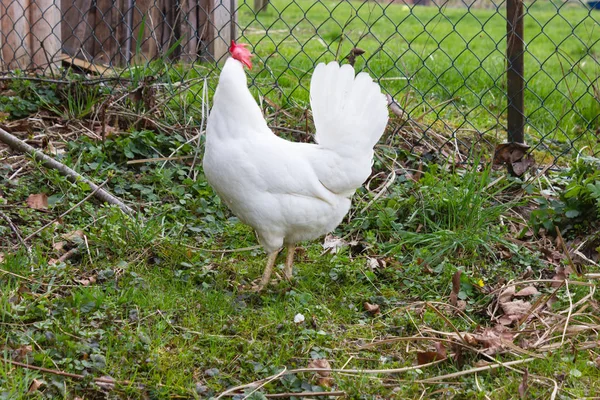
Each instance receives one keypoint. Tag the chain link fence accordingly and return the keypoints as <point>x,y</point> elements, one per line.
<point>450,68</point>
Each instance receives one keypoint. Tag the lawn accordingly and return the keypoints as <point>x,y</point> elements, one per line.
<point>444,281</point>
<point>446,64</point>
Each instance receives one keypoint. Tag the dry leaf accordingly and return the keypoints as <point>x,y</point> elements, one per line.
<point>441,350</point>
<point>506,295</point>
<point>375,263</point>
<point>38,201</point>
<point>508,153</point>
<point>75,236</point>
<point>35,385</point>
<point>520,167</point>
<point>561,275</point>
<point>333,244</point>
<point>516,309</point>
<point>455,288</point>
<point>21,353</point>
<point>86,281</point>
<point>371,308</point>
<point>1,257</point>
<point>492,339</point>
<point>321,364</point>
<point>524,386</point>
<point>58,245</point>
<point>426,357</point>
<point>527,291</point>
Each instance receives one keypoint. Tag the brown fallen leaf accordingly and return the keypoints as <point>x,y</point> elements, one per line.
<point>35,385</point>
<point>506,295</point>
<point>561,275</point>
<point>426,357</point>
<point>86,281</point>
<point>508,153</point>
<point>455,288</point>
<point>523,386</point>
<point>527,291</point>
<point>516,309</point>
<point>371,308</point>
<point>520,167</point>
<point>74,236</point>
<point>493,339</point>
<point>22,352</point>
<point>321,364</point>
<point>38,201</point>
<point>441,350</point>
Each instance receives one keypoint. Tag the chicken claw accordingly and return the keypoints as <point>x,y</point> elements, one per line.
<point>268,271</point>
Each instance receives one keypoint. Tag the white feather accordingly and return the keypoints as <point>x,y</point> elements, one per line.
<point>291,192</point>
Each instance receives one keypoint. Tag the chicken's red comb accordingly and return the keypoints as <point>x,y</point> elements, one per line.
<point>241,53</point>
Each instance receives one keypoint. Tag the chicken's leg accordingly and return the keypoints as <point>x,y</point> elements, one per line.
<point>268,270</point>
<point>289,261</point>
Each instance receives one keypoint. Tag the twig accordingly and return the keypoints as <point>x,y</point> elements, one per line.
<point>63,373</point>
<point>68,254</point>
<point>145,160</point>
<point>15,230</point>
<point>228,392</point>
<point>475,370</point>
<point>562,340</point>
<point>205,106</point>
<point>266,382</point>
<point>438,312</point>
<point>223,251</point>
<point>567,253</point>
<point>99,187</point>
<point>304,394</point>
<point>72,175</point>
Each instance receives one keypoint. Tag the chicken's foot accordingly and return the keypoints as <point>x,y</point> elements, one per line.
<point>289,261</point>
<point>268,271</point>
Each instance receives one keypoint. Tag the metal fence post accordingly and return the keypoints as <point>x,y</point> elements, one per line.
<point>514,73</point>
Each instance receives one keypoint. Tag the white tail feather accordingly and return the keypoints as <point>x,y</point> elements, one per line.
<point>349,111</point>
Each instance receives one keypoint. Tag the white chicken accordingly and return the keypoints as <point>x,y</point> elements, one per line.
<point>291,192</point>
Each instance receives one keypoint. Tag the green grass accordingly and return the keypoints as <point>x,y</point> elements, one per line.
<point>449,59</point>
<point>160,304</point>
<point>154,303</point>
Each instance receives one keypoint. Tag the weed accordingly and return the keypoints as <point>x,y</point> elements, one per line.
<point>572,202</point>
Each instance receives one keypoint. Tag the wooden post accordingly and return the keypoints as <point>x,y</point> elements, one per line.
<point>260,6</point>
<point>14,31</point>
<point>223,26</point>
<point>514,74</point>
<point>45,34</point>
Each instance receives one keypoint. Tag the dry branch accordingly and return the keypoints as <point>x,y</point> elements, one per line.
<point>17,144</point>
